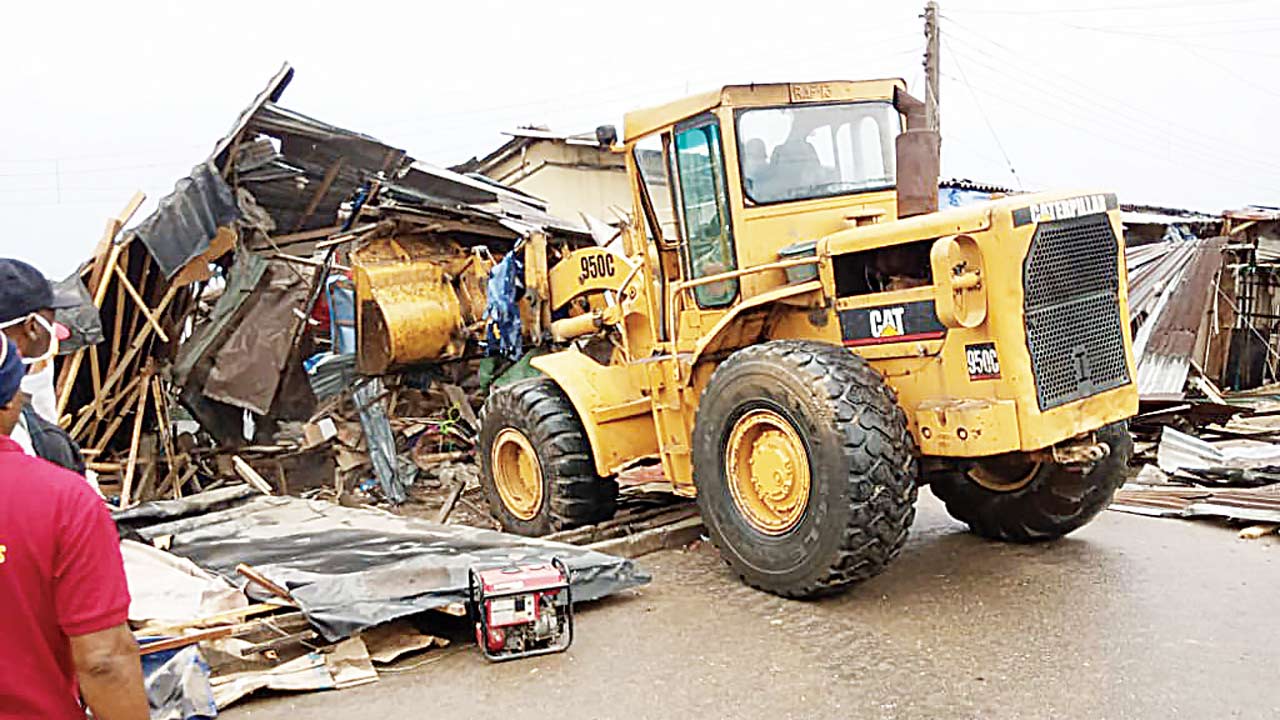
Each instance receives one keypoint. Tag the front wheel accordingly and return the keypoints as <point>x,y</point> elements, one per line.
<point>1013,499</point>
<point>536,467</point>
<point>805,471</point>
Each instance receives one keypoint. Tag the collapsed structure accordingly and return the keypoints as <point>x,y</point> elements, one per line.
<point>230,316</point>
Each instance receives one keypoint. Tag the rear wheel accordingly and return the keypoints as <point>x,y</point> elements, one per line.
<point>536,466</point>
<point>1014,499</point>
<point>805,471</point>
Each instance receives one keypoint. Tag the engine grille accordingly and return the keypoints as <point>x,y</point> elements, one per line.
<point>1071,303</point>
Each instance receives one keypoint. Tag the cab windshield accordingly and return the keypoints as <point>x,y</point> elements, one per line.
<point>799,152</point>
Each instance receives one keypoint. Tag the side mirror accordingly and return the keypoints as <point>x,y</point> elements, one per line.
<point>919,162</point>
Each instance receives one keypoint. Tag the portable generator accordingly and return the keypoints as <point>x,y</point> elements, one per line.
<point>522,610</point>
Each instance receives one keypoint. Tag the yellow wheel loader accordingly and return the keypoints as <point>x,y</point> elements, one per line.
<point>801,338</point>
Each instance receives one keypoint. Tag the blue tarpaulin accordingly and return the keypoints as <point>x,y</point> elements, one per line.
<point>502,314</point>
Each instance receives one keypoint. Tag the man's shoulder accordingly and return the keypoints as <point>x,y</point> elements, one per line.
<point>27,473</point>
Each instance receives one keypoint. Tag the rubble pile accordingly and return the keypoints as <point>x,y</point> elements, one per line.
<point>268,325</point>
<point>326,597</point>
<point>1208,432</point>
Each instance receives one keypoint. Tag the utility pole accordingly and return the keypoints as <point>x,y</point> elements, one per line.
<point>931,65</point>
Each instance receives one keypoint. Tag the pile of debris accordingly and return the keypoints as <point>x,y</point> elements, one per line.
<point>1208,431</point>
<point>269,323</point>
<point>324,596</point>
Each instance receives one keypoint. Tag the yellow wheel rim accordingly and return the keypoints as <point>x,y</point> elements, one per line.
<point>767,468</point>
<point>517,473</point>
<point>1004,474</point>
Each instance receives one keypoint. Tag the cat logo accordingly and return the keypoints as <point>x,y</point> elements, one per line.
<point>886,322</point>
<point>1069,209</point>
<point>983,362</point>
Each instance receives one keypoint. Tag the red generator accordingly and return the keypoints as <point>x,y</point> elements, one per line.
<point>522,611</point>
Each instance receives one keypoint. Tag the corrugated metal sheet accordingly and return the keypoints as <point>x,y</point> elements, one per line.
<point>312,167</point>
<point>186,220</point>
<point>1249,504</point>
<point>1169,287</point>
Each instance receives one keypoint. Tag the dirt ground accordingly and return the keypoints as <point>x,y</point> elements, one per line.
<point>1131,617</point>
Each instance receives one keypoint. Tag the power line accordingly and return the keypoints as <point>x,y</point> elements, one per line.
<point>1191,146</point>
<point>987,120</point>
<point>97,171</point>
<point>1146,151</point>
<point>1020,62</point>
<point>1111,8</point>
<point>503,122</point>
<point>1122,123</point>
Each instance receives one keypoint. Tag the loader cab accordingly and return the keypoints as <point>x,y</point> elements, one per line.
<point>744,176</point>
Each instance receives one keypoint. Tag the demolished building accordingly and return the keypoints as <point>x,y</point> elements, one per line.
<point>236,316</point>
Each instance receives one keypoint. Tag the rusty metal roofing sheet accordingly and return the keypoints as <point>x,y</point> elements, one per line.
<point>1254,212</point>
<point>1249,504</point>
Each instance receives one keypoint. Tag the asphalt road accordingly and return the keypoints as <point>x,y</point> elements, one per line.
<point>1130,617</point>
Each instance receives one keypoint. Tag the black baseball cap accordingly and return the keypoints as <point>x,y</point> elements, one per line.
<point>23,290</point>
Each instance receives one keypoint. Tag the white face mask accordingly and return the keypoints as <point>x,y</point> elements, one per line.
<point>39,385</point>
<point>48,328</point>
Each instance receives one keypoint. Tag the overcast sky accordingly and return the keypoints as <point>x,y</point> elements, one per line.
<point>1168,102</point>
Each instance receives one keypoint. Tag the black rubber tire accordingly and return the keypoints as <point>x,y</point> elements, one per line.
<point>861,458</point>
<point>572,494</point>
<point>1055,502</point>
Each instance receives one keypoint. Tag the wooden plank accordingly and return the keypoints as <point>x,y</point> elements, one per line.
<point>197,637</point>
<point>305,235</point>
<point>101,407</point>
<point>132,466</point>
<point>197,270</point>
<point>1253,532</point>
<point>675,535</point>
<point>164,429</point>
<point>88,439</point>
<point>138,342</point>
<point>97,286</point>
<point>233,617</point>
<point>456,609</point>
<point>251,476</point>
<point>261,580</point>
<point>452,500</point>
<point>330,175</point>
<point>117,325</point>
<point>142,305</point>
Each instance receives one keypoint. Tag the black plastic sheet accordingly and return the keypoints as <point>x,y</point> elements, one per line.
<point>83,320</point>
<point>350,569</point>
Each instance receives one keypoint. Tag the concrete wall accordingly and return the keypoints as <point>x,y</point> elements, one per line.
<point>571,178</point>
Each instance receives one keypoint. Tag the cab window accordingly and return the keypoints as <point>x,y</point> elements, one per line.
<point>704,215</point>
<point>656,189</point>
<point>816,151</point>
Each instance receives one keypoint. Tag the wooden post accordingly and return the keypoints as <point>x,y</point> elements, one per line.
<point>142,305</point>
<point>131,467</point>
<point>931,66</point>
<point>133,350</point>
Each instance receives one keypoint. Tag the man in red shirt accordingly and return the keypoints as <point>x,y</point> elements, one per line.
<point>63,598</point>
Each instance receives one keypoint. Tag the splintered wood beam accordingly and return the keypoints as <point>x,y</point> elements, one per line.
<point>101,407</point>
<point>67,379</point>
<point>164,427</point>
<point>304,236</point>
<point>138,343</point>
<point>131,467</point>
<point>103,259</point>
<point>142,304</point>
<point>250,476</point>
<point>120,367</point>
<point>252,574</point>
<point>330,175</point>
